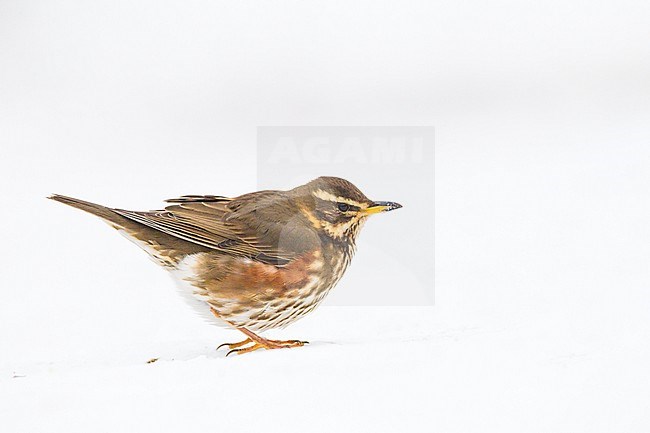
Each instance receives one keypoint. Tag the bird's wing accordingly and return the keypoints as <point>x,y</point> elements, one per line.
<point>198,198</point>
<point>245,226</point>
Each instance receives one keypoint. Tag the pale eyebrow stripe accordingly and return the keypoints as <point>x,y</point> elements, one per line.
<point>324,195</point>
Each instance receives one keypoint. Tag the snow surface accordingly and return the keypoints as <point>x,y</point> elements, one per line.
<point>366,369</point>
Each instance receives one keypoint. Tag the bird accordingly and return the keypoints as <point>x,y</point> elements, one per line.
<point>255,262</point>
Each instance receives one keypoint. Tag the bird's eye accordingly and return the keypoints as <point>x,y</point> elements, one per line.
<point>344,207</point>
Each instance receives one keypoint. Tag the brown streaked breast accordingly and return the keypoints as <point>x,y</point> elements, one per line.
<point>236,278</point>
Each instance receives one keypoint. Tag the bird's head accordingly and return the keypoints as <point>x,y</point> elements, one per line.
<point>337,207</point>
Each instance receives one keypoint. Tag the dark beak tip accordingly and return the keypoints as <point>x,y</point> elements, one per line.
<point>390,205</point>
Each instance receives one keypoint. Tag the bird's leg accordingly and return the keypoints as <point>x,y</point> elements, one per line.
<point>231,346</point>
<point>264,343</point>
<point>258,342</point>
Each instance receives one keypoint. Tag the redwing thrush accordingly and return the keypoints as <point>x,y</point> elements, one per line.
<point>255,262</point>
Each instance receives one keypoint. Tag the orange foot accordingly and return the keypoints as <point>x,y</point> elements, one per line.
<point>250,345</point>
<point>235,345</point>
<point>254,342</point>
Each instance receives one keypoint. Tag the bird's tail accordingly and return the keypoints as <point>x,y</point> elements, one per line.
<point>103,212</point>
<point>165,249</point>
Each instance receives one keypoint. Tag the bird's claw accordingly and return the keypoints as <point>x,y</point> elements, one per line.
<point>235,345</point>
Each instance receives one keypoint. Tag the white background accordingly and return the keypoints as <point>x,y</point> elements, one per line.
<point>542,115</point>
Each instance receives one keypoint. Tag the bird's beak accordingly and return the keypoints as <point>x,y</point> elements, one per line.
<point>381,206</point>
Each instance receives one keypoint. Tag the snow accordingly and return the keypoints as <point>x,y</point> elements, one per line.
<point>366,369</point>
<point>353,371</point>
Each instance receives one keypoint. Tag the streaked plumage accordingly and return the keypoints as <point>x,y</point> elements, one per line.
<point>254,262</point>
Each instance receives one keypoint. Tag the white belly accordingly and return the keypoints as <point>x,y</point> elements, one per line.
<point>195,297</point>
